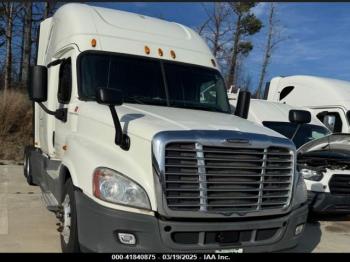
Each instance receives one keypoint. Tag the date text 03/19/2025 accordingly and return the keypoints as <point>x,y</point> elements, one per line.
<point>195,257</point>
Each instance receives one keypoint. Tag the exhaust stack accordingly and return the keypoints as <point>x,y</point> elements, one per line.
<point>243,102</point>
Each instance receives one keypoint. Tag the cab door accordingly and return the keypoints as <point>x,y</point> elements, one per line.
<point>63,100</point>
<point>46,122</point>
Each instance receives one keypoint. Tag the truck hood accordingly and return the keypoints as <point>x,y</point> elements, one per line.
<point>145,120</point>
<point>330,142</point>
<point>327,151</point>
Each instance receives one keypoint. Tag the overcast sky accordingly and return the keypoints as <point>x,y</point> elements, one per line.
<point>318,35</point>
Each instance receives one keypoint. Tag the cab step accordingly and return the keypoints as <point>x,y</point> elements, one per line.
<point>50,201</point>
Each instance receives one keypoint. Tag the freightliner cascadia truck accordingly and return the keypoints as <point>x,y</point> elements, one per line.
<point>133,153</point>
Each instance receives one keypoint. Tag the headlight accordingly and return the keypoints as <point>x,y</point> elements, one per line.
<point>111,186</point>
<point>310,174</point>
<point>300,191</point>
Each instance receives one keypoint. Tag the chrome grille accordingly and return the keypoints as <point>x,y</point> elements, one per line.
<point>227,179</point>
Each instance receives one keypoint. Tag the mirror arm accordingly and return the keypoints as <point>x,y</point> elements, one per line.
<point>120,139</point>
<point>60,114</point>
<point>296,131</point>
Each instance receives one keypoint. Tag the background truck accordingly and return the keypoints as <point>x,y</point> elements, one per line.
<point>328,98</point>
<point>136,149</point>
<point>323,159</point>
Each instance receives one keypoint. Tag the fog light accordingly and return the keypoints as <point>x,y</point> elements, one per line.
<point>299,229</point>
<point>127,239</point>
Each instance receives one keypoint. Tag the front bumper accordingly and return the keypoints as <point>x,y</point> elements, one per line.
<point>320,202</point>
<point>98,227</point>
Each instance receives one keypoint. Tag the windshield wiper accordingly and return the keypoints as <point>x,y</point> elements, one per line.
<point>135,99</point>
<point>198,107</point>
<point>296,132</point>
<point>144,100</point>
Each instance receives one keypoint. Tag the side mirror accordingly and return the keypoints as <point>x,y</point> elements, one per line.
<point>112,98</point>
<point>329,122</point>
<point>38,84</point>
<point>299,116</point>
<point>108,96</point>
<point>243,103</point>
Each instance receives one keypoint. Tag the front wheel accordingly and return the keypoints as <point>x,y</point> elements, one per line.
<point>69,231</point>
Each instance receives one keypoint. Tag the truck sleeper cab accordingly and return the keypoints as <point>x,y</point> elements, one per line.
<point>130,146</point>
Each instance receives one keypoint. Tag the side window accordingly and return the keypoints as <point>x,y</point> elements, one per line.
<point>65,82</point>
<point>286,91</point>
<point>332,120</point>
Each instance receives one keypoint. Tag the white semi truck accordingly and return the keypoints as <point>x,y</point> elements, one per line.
<point>323,158</point>
<point>328,98</point>
<point>134,154</point>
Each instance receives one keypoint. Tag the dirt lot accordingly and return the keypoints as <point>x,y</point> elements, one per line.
<point>25,223</point>
<point>27,226</point>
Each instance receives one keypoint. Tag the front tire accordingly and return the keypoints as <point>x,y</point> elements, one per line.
<point>27,167</point>
<point>69,233</point>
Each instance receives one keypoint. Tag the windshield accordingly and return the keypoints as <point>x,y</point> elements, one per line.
<point>306,133</point>
<point>153,82</point>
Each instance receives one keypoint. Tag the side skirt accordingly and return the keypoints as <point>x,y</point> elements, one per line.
<point>46,174</point>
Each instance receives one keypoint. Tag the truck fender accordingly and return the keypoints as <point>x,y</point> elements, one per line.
<point>81,158</point>
<point>84,155</point>
<point>64,175</point>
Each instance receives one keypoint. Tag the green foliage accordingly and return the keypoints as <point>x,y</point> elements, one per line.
<point>242,7</point>
<point>246,24</point>
<point>250,25</point>
<point>244,47</point>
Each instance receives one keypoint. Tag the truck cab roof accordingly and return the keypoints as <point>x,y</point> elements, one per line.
<point>307,90</point>
<point>120,32</point>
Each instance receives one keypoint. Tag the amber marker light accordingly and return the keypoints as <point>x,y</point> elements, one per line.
<point>95,183</point>
<point>65,147</point>
<point>160,52</point>
<point>172,53</point>
<point>93,42</point>
<point>147,50</point>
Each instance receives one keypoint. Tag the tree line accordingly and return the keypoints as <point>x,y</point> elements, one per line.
<point>19,36</point>
<point>227,28</point>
